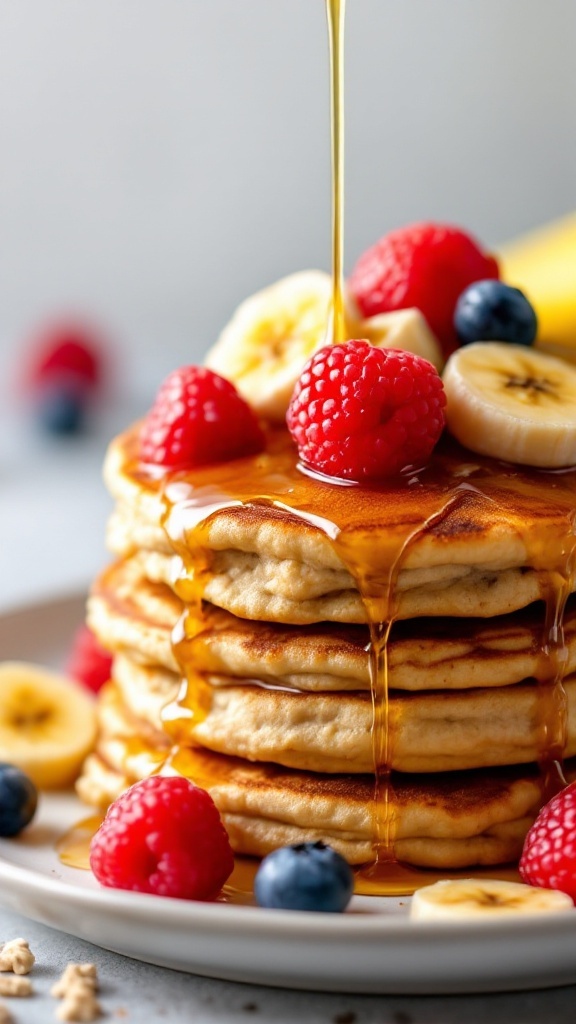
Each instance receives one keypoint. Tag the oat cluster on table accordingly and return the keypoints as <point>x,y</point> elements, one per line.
<point>16,956</point>
<point>76,988</point>
<point>16,960</point>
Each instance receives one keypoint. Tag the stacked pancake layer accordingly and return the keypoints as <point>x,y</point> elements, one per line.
<point>271,593</point>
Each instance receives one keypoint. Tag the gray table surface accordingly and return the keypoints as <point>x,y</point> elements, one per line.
<point>39,480</point>
<point>140,994</point>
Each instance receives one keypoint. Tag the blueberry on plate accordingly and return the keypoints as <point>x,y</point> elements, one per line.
<point>18,800</point>
<point>494,311</point>
<point>61,407</point>
<point>308,876</point>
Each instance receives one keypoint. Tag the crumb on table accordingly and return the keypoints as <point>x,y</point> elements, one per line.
<point>16,956</point>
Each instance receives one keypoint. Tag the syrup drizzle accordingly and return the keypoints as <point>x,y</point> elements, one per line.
<point>556,563</point>
<point>538,507</point>
<point>379,594</point>
<point>444,500</point>
<point>335,12</point>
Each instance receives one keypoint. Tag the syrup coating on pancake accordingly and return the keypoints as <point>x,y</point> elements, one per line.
<point>454,502</point>
<point>493,497</point>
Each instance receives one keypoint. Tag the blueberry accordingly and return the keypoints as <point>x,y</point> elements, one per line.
<point>18,800</point>
<point>61,407</point>
<point>493,311</point>
<point>309,876</point>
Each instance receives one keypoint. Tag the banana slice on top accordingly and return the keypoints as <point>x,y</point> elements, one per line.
<point>47,723</point>
<point>464,898</point>
<point>403,328</point>
<point>264,347</point>
<point>513,403</point>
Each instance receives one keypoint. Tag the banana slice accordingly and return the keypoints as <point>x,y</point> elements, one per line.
<point>271,336</point>
<point>47,723</point>
<point>513,403</point>
<point>464,898</point>
<point>406,329</point>
<point>264,347</point>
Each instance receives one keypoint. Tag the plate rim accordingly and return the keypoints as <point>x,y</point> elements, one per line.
<point>370,924</point>
<point>540,956</point>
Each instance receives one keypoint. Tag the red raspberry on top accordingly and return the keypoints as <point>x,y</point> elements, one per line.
<point>549,856</point>
<point>198,417</point>
<point>361,413</point>
<point>423,265</point>
<point>163,836</point>
<point>89,662</point>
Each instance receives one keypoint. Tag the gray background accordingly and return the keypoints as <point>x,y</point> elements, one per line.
<point>161,159</point>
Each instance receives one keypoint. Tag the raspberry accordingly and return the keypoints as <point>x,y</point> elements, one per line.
<point>422,265</point>
<point>163,836</point>
<point>359,412</point>
<point>89,662</point>
<point>66,351</point>
<point>198,417</point>
<point>549,856</point>
<point>64,377</point>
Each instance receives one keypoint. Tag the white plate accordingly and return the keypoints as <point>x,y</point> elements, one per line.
<point>372,948</point>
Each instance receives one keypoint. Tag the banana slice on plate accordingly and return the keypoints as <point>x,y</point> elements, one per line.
<point>463,898</point>
<point>513,403</point>
<point>47,723</point>
<point>264,347</point>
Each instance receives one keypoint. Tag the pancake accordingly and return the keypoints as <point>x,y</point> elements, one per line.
<point>332,732</point>
<point>255,585</point>
<point>452,820</point>
<point>127,612</point>
<point>131,614</point>
<point>463,537</point>
<point>272,592</point>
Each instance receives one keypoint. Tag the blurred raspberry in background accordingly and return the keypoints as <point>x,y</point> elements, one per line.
<point>65,374</point>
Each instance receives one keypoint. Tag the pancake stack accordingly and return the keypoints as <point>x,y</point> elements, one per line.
<point>391,669</point>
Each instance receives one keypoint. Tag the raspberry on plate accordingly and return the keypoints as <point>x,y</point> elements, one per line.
<point>424,265</point>
<point>198,417</point>
<point>549,856</point>
<point>163,836</point>
<point>363,413</point>
<point>88,662</point>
